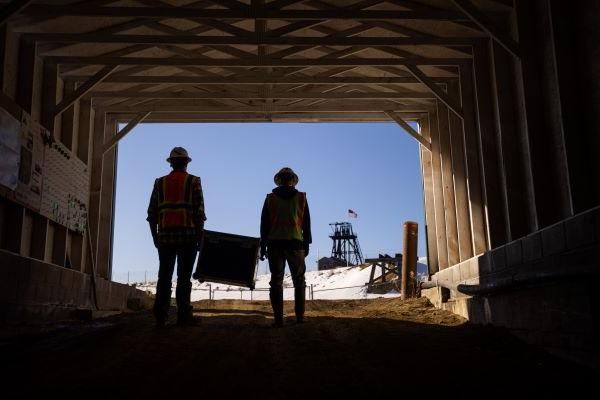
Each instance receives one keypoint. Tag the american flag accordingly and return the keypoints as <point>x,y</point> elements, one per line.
<point>352,214</point>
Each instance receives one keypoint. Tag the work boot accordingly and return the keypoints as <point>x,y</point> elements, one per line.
<point>161,307</point>
<point>185,317</point>
<point>299,300</point>
<point>276,296</point>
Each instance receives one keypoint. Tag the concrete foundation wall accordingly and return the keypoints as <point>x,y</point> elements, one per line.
<point>32,290</point>
<point>560,313</point>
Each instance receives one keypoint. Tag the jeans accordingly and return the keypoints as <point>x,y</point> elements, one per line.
<point>295,259</point>
<point>185,256</point>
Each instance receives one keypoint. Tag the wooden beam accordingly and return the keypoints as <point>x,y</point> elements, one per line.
<point>439,93</point>
<point>493,175</point>
<point>261,80</point>
<point>106,211</point>
<point>278,4</point>
<point>184,117</point>
<point>345,106</point>
<point>474,171</point>
<point>247,39</point>
<point>43,10</point>
<point>427,175</point>
<point>49,95</point>
<point>438,192</point>
<point>231,4</point>
<point>488,26</point>
<point>293,27</point>
<point>262,95</point>
<point>11,9</point>
<point>84,89</point>
<point>256,62</point>
<point>447,177</point>
<point>123,132</point>
<point>26,74</point>
<point>459,172</point>
<point>227,28</point>
<point>517,173</point>
<point>409,129</point>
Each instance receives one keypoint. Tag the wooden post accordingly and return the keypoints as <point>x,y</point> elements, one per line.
<point>438,191</point>
<point>49,94</point>
<point>491,152</point>
<point>472,151</point>
<point>409,261</point>
<point>105,222</point>
<point>26,74</point>
<point>427,175</point>
<point>541,107</point>
<point>68,120</point>
<point>461,193</point>
<point>448,184</point>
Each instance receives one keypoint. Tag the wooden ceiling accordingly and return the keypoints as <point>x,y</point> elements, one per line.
<point>257,60</point>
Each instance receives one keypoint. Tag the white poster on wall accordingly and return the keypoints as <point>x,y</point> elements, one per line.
<point>10,149</point>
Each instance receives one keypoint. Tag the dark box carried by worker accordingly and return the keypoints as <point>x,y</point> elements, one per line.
<point>227,258</point>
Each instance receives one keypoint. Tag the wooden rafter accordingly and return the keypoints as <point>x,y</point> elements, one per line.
<point>409,129</point>
<point>181,39</point>
<point>440,94</point>
<point>263,13</point>
<point>123,132</point>
<point>83,89</point>
<point>266,62</point>
<point>488,26</point>
<point>260,79</point>
<point>271,95</point>
<point>331,106</point>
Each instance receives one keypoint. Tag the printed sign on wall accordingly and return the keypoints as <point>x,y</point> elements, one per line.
<point>10,148</point>
<point>29,188</point>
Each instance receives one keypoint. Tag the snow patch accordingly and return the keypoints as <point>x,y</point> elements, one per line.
<point>345,283</point>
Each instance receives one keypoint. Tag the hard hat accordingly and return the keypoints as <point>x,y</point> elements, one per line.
<point>178,152</point>
<point>286,177</point>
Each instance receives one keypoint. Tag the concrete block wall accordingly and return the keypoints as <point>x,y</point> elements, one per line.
<point>562,315</point>
<point>32,290</point>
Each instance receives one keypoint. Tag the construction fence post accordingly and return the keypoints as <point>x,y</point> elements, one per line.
<point>408,284</point>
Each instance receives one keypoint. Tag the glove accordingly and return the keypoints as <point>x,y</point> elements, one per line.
<point>306,249</point>
<point>199,240</point>
<point>263,252</point>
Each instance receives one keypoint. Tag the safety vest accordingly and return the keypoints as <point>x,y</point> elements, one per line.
<point>175,205</point>
<point>287,216</point>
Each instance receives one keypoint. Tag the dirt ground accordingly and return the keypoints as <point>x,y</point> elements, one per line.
<point>361,348</point>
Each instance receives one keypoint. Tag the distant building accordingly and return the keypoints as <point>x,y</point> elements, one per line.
<point>325,263</point>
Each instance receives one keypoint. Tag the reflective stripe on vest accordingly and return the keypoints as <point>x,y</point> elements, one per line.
<point>287,216</point>
<point>175,205</point>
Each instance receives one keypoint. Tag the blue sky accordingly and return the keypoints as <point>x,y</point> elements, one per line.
<point>371,168</point>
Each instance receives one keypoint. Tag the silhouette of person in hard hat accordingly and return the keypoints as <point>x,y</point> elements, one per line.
<point>285,237</point>
<point>176,217</point>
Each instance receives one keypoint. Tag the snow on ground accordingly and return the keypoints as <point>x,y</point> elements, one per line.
<point>336,284</point>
